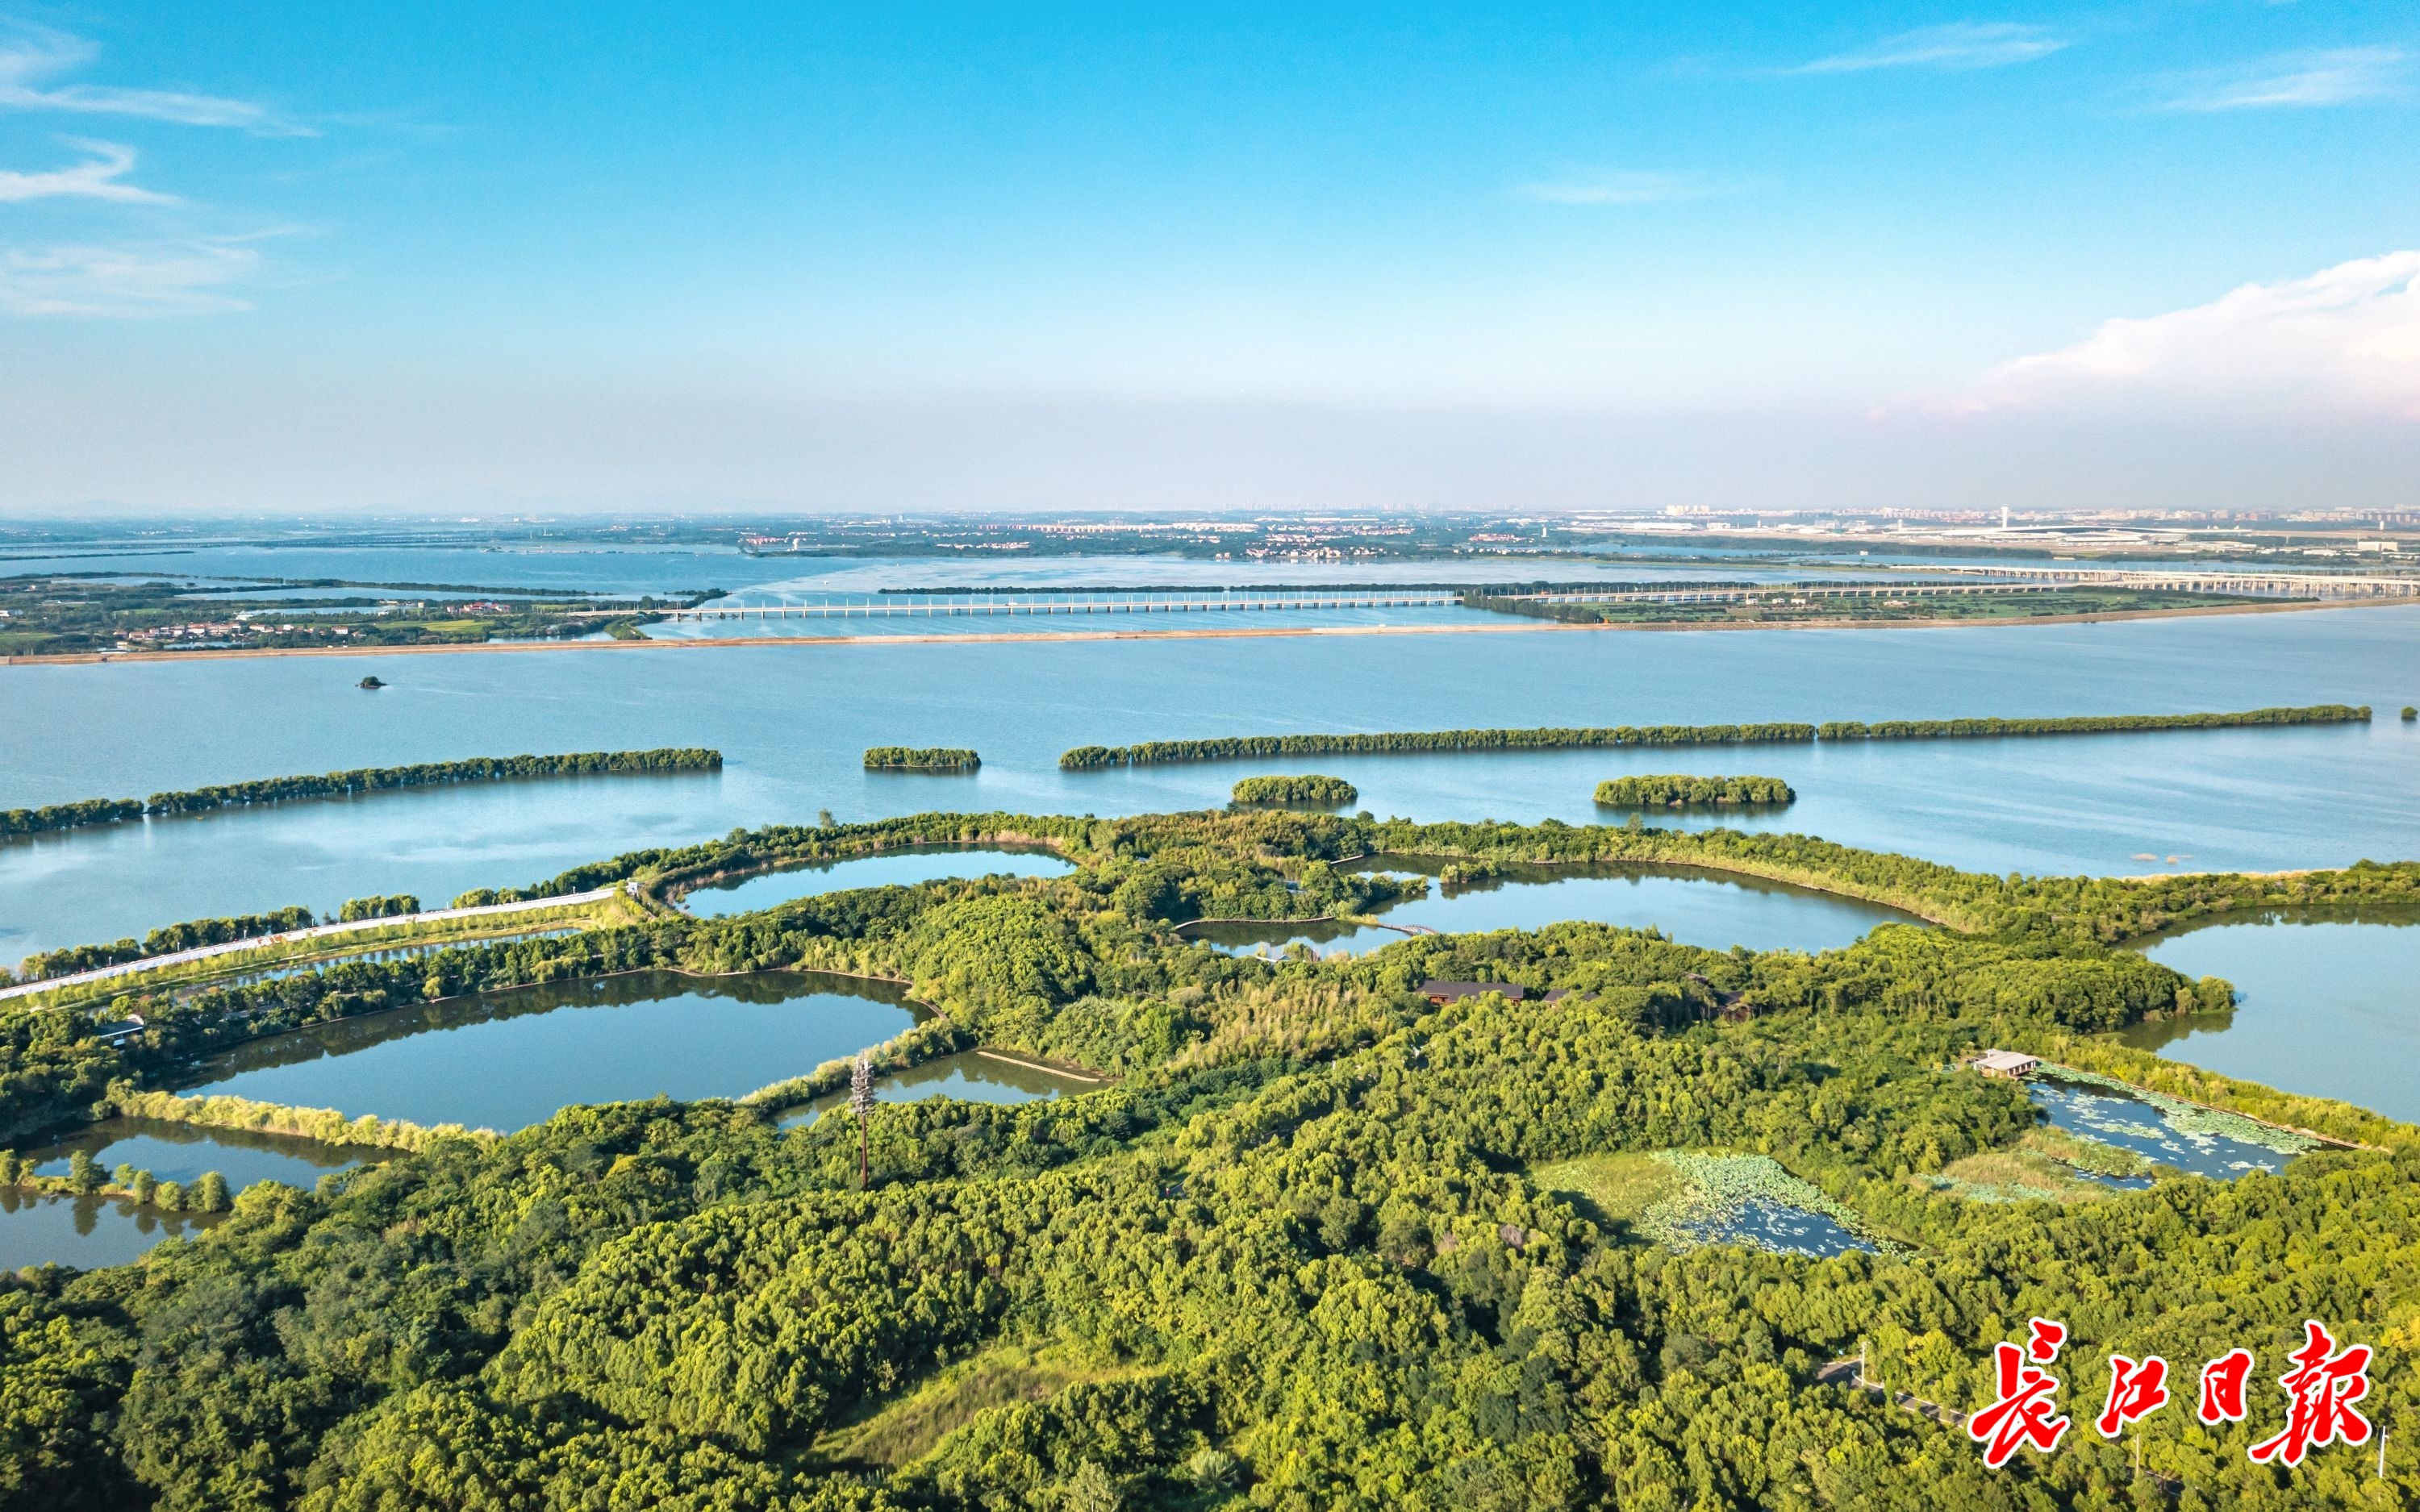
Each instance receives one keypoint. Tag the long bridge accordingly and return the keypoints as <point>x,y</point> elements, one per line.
<point>895,606</point>
<point>2201,580</point>
<point>1204,602</point>
<point>1975,581</point>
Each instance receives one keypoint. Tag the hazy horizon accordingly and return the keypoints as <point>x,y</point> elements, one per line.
<point>571,258</point>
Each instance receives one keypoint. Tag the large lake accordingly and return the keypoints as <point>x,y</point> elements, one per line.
<point>2327,1004</point>
<point>1694,907</point>
<point>794,720</point>
<point>502,1060</point>
<point>896,869</point>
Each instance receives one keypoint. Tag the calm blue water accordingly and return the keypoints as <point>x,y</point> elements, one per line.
<point>1774,1225</point>
<point>508,1059</point>
<point>500,1061</point>
<point>182,1152</point>
<point>1696,909</point>
<point>970,1076</point>
<point>82,1231</point>
<point>90,1231</point>
<point>794,721</point>
<point>898,870</point>
<point>665,570</point>
<point>2326,1004</point>
<point>2129,1123</point>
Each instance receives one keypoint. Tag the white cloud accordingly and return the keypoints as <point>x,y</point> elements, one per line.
<point>1624,189</point>
<point>185,278</point>
<point>1957,48</point>
<point>98,177</point>
<point>2346,339</point>
<point>29,56</point>
<point>2303,81</point>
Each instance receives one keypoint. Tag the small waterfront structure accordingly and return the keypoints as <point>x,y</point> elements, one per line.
<point>2008,1065</point>
<point>120,1033</point>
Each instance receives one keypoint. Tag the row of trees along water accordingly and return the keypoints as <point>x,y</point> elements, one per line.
<point>1297,1254</point>
<point>923,758</point>
<point>2091,724</point>
<point>166,940</point>
<point>170,938</point>
<point>1220,748</point>
<point>1327,791</point>
<point>359,779</point>
<point>1151,753</point>
<point>85,1177</point>
<point>1680,790</point>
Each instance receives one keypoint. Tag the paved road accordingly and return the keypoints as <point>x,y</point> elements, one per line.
<point>316,932</point>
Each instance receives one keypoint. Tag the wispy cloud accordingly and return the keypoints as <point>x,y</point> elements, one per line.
<point>99,177</point>
<point>31,57</point>
<point>1960,47</point>
<point>2301,80</point>
<point>2347,338</point>
<point>184,278</point>
<point>1624,189</point>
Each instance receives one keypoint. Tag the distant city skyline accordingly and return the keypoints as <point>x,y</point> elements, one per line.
<point>750,259</point>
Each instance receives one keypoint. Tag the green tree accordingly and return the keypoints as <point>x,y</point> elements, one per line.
<point>1090,1488</point>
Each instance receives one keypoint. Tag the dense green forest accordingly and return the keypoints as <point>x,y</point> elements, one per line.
<point>360,779</point>
<point>1683,790</point>
<point>1299,1256</point>
<point>923,758</point>
<point>1311,788</point>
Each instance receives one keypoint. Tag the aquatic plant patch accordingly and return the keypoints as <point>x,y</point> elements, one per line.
<point>1749,1199</point>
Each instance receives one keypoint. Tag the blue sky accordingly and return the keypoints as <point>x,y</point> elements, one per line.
<point>292,257</point>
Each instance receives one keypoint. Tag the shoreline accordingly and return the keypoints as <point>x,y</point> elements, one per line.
<point>69,658</point>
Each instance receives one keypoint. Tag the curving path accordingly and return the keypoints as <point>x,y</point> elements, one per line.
<point>316,932</point>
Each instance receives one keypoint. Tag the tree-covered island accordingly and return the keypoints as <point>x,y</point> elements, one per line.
<point>1682,791</point>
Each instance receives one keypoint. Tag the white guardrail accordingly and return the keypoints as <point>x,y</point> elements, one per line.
<point>316,932</point>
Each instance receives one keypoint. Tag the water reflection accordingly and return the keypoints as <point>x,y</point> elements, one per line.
<point>1774,1225</point>
<point>2325,1003</point>
<point>83,1231</point>
<point>1695,908</point>
<point>182,1152</point>
<point>2112,1117</point>
<point>970,1076</point>
<point>503,1060</point>
<point>766,890</point>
